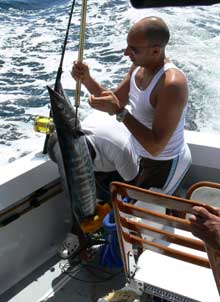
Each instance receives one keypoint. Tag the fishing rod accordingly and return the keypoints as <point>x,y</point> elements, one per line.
<point>60,69</point>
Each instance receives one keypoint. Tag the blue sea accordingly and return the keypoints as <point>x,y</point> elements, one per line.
<point>31,37</point>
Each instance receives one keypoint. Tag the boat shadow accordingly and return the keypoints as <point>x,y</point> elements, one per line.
<point>85,282</point>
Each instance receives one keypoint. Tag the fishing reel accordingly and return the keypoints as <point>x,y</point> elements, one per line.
<point>44,125</point>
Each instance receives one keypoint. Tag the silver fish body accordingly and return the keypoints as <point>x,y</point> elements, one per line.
<point>72,156</point>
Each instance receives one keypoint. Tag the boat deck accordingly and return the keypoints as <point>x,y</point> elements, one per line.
<point>88,283</point>
<point>60,280</point>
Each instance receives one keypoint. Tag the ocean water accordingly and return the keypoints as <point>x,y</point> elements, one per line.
<point>31,39</point>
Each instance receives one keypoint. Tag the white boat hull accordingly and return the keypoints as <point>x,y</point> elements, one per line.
<point>33,236</point>
<point>31,232</point>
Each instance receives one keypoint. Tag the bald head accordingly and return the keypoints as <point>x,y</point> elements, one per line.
<point>154,29</point>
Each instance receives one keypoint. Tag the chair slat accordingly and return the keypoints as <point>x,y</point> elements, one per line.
<point>162,249</point>
<point>162,234</point>
<point>144,213</point>
<point>167,201</point>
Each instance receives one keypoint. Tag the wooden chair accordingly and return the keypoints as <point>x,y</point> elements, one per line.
<point>170,263</point>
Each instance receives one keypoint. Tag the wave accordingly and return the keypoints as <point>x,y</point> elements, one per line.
<point>29,4</point>
<point>32,35</point>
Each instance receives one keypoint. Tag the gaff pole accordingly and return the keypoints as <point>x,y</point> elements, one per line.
<point>80,54</point>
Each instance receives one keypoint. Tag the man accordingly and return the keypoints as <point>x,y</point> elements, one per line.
<point>157,92</point>
<point>145,146</point>
<point>206,226</point>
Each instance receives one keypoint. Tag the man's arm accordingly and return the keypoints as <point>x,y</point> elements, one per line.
<point>80,71</point>
<point>112,102</point>
<point>171,97</point>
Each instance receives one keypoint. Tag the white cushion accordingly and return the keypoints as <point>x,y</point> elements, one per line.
<point>177,276</point>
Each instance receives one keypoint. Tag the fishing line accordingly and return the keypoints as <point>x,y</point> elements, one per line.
<point>90,281</point>
<point>71,269</point>
<point>102,280</point>
<point>60,68</point>
<point>93,270</point>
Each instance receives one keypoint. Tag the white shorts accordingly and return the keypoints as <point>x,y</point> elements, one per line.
<point>110,139</point>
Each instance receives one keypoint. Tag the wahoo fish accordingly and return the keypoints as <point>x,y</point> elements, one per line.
<point>68,147</point>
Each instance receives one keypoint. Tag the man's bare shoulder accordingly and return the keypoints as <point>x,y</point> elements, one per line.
<point>175,77</point>
<point>172,89</point>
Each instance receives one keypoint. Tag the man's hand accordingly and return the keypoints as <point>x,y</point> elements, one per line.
<point>107,102</point>
<point>206,226</point>
<point>80,71</point>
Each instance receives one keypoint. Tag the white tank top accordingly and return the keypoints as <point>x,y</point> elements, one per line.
<point>143,111</point>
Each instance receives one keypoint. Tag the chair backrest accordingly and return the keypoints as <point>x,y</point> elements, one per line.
<point>133,221</point>
<point>208,192</point>
<point>205,191</point>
